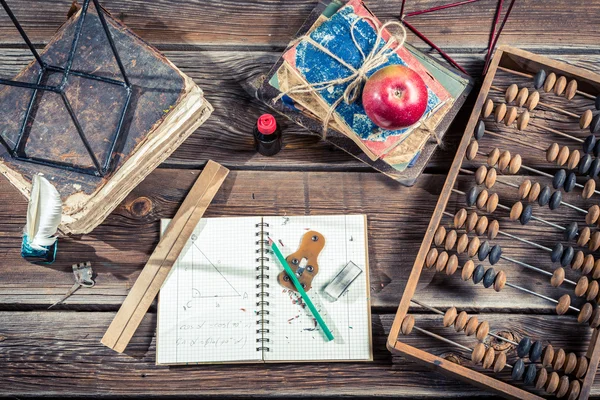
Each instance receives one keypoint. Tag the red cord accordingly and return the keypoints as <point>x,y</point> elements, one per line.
<point>493,46</point>
<point>442,7</point>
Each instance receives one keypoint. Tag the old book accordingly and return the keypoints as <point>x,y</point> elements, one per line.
<point>166,107</point>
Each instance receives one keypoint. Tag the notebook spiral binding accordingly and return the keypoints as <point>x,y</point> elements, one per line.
<point>262,258</point>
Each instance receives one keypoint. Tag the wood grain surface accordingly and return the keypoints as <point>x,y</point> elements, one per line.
<point>220,44</point>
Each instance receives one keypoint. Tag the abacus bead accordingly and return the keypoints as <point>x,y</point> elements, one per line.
<point>490,178</point>
<point>588,189</point>
<point>588,264</point>
<point>596,270</point>
<point>500,112</point>
<point>558,277</point>
<point>542,377</point>
<point>472,150</point>
<point>536,351</point>
<point>431,258</point>
<point>462,243</point>
<point>495,254</point>
<point>524,188</point>
<point>597,148</point>
<point>570,182</point>
<point>584,315</point>
<point>500,281</point>
<point>482,331</point>
<point>471,221</point>
<point>441,261</point>
<point>471,197</point>
<point>516,210</point>
<point>471,326</point>
<point>481,225</point>
<point>488,358</point>
<point>581,287</point>
<point>557,252</point>
<point>589,142</point>
<point>563,304</point>
<point>559,179</point>
<point>559,359</point>
<point>544,196</point>
<point>555,200</point>
<point>563,155</point>
<point>532,101</point>
<point>570,363</point>
<point>480,174</point>
<point>561,84</point>
<point>500,362</point>
<point>461,321</point>
<point>452,265</point>
<point>407,325</point>
<point>440,235</point>
<point>584,164</point>
<point>518,369</point>
<point>582,366</point>
<point>595,124</point>
<point>597,102</point>
<point>595,319</point>
<point>511,116</point>
<point>526,215</point>
<point>573,160</point>
<point>522,96</point>
<point>450,316</point>
<point>523,120</point>
<point>450,240</point>
<point>482,199</point>
<point>483,250</point>
<point>515,164</point>
<point>478,353</point>
<point>473,246</point>
<point>552,152</point>
<point>459,218</point>
<point>487,109</point>
<point>492,203</point>
<point>571,231</point>
<point>549,82</point>
<point>584,236</point>
<point>523,347</point>
<point>504,160</point>
<point>548,356</point>
<point>594,241</point>
<point>539,79</point>
<point>478,274</point>
<point>574,389</point>
<point>571,89</point>
<point>511,93</point>
<point>595,167</point>
<point>530,373</point>
<point>493,157</point>
<point>592,215</point>
<point>567,256</point>
<point>586,119</point>
<point>592,290</point>
<point>493,229</point>
<point>577,261</point>
<point>563,386</point>
<point>467,270</point>
<point>489,277</point>
<point>534,192</point>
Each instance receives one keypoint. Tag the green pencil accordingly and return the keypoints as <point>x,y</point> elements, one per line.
<point>301,290</point>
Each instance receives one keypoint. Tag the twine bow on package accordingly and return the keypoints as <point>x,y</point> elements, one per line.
<point>318,81</point>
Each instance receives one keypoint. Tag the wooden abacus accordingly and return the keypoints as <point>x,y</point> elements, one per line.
<point>510,121</point>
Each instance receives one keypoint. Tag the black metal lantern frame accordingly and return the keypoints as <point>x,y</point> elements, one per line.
<point>19,150</point>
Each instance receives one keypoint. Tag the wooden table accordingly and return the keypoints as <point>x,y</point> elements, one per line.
<point>220,44</point>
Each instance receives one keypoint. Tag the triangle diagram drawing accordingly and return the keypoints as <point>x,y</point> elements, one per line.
<point>209,281</point>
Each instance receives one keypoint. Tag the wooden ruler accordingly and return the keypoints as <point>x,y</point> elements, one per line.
<point>155,272</point>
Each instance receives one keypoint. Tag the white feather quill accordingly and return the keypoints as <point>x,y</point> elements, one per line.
<point>43,214</point>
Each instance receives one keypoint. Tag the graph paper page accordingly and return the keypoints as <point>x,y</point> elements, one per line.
<point>293,332</point>
<point>207,305</point>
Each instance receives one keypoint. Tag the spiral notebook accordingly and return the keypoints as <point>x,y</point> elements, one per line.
<point>221,302</point>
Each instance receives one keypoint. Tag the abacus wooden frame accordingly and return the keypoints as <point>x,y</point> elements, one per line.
<point>522,61</point>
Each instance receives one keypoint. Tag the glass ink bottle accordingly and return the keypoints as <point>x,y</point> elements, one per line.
<point>267,135</point>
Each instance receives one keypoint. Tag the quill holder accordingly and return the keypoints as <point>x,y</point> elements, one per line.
<point>44,214</point>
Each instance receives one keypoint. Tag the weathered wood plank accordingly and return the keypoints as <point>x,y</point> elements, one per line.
<point>272,23</point>
<point>397,219</point>
<point>40,360</point>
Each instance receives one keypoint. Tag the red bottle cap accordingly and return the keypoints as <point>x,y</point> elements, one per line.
<point>266,124</point>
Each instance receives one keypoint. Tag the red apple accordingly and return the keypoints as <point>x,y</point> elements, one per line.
<point>395,97</point>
